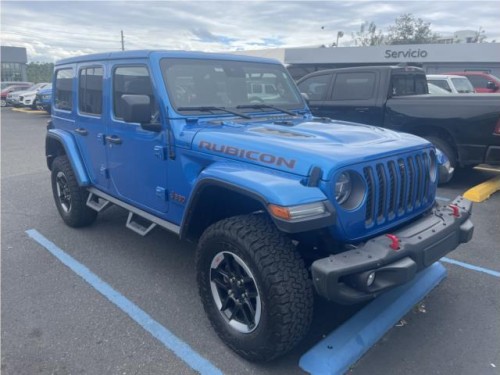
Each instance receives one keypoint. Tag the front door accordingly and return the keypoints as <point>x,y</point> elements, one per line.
<point>137,162</point>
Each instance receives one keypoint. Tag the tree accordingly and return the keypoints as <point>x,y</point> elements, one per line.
<point>39,72</point>
<point>410,30</point>
<point>368,35</point>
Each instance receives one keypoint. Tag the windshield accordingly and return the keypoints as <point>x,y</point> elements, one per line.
<point>462,85</point>
<point>229,84</point>
<point>436,90</point>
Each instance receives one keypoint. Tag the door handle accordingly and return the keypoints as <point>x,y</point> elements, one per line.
<point>361,109</point>
<point>81,131</point>
<point>113,139</point>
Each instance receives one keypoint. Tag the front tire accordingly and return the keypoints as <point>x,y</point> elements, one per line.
<point>70,198</point>
<point>446,149</point>
<point>254,287</point>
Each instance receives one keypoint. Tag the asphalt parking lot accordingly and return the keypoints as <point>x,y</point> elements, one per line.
<point>54,322</point>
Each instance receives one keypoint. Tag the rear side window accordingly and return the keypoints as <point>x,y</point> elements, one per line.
<point>315,87</point>
<point>354,86</point>
<point>409,84</point>
<point>133,80</point>
<point>63,96</point>
<point>90,90</point>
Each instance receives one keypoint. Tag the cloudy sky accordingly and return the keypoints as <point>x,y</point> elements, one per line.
<point>51,30</point>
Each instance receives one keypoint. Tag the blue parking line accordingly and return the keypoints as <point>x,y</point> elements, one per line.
<point>167,338</point>
<point>471,267</point>
<point>344,346</point>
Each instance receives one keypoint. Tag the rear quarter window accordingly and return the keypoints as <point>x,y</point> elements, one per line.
<point>63,95</point>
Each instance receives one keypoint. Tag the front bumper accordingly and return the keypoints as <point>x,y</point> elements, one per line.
<point>344,277</point>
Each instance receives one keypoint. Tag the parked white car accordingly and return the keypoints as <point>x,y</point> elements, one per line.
<point>436,90</point>
<point>451,83</point>
<point>26,98</point>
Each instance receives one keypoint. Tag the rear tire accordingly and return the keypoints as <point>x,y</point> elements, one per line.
<point>254,287</point>
<point>70,198</point>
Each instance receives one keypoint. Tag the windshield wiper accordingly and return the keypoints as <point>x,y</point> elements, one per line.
<point>262,106</point>
<point>212,108</point>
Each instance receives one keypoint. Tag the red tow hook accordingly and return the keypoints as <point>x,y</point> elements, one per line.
<point>455,209</point>
<point>395,241</point>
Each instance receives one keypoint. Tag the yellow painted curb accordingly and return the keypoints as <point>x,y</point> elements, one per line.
<point>483,191</point>
<point>25,110</point>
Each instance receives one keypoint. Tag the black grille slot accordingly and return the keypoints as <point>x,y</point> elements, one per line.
<point>382,188</point>
<point>411,183</point>
<point>370,194</point>
<point>426,177</point>
<point>402,186</point>
<point>392,185</point>
<point>418,162</point>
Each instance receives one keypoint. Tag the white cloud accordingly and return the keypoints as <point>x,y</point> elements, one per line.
<point>54,30</point>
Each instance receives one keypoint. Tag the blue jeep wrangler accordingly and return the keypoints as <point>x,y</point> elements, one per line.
<point>280,203</point>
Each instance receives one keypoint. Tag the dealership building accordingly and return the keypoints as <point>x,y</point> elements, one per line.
<point>433,58</point>
<point>14,61</point>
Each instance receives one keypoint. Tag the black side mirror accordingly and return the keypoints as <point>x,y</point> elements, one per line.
<point>491,85</point>
<point>137,108</point>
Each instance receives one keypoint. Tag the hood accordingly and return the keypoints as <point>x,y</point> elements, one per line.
<point>296,146</point>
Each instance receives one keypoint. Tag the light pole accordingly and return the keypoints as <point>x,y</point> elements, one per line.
<point>340,34</point>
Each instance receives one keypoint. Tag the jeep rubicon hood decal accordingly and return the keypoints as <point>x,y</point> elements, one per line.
<point>295,149</point>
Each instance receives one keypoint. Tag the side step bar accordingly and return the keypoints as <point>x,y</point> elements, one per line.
<point>139,221</point>
<point>138,224</point>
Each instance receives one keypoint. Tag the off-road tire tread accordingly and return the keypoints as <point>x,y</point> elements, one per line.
<point>80,214</point>
<point>285,281</point>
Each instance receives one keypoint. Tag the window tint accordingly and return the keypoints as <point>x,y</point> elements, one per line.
<point>133,80</point>
<point>409,84</point>
<point>90,90</point>
<point>353,86</point>
<point>315,87</point>
<point>478,81</point>
<point>225,83</point>
<point>63,98</point>
<point>441,83</point>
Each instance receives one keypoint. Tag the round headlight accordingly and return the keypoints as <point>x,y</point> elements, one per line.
<point>343,187</point>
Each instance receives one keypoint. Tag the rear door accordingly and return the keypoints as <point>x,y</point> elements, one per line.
<point>89,128</point>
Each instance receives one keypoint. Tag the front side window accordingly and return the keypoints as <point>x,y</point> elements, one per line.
<point>462,85</point>
<point>315,87</point>
<point>131,80</point>
<point>63,96</point>
<point>353,86</point>
<point>194,83</point>
<point>90,90</point>
<point>478,81</point>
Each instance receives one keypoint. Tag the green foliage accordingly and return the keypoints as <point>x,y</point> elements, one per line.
<point>368,35</point>
<point>410,30</point>
<point>39,72</point>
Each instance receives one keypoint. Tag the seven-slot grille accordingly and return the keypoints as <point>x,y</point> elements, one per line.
<point>396,187</point>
